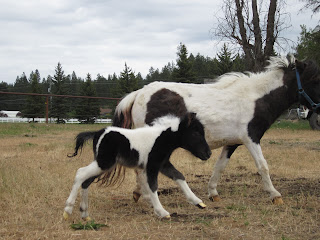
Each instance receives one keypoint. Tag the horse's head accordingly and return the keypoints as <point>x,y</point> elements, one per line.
<point>192,137</point>
<point>310,81</point>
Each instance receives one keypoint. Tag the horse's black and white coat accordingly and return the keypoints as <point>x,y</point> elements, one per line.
<point>145,148</point>
<point>235,110</point>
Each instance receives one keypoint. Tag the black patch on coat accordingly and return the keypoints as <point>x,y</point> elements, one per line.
<point>164,102</point>
<point>231,149</point>
<point>267,110</point>
<point>115,145</point>
<point>269,107</point>
<point>159,155</point>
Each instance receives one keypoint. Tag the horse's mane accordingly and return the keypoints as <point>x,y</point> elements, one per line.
<point>275,64</point>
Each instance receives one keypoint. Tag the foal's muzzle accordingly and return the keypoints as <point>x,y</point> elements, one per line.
<point>206,155</point>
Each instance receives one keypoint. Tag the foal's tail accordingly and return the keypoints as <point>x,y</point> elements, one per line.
<point>123,115</point>
<point>81,138</point>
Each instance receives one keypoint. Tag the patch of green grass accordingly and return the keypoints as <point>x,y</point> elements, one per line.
<point>87,226</point>
<point>293,125</point>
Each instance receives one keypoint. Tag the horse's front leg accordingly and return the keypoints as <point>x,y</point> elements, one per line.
<point>263,169</point>
<point>219,167</point>
<point>171,172</point>
<point>82,175</point>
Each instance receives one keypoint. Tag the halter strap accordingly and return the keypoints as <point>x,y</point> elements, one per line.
<point>304,94</point>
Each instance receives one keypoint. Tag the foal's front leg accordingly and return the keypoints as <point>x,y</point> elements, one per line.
<point>149,186</point>
<point>171,172</point>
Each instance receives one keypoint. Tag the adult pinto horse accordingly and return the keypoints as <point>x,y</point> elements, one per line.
<point>235,110</point>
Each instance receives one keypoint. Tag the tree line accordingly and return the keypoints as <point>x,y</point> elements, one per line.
<point>187,69</point>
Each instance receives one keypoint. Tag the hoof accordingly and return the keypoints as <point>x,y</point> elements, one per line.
<point>277,201</point>
<point>201,205</point>
<point>215,198</point>
<point>87,219</point>
<point>136,196</point>
<point>167,217</point>
<point>65,215</point>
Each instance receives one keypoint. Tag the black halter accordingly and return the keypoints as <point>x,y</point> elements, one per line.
<point>304,94</point>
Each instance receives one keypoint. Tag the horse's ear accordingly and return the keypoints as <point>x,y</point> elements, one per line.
<point>191,117</point>
<point>300,66</point>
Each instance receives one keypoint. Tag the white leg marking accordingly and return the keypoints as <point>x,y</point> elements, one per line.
<point>82,174</point>
<point>261,163</point>
<point>191,197</point>
<point>217,171</point>
<point>153,196</point>
<point>84,204</point>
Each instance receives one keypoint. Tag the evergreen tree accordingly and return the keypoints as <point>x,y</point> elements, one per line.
<point>21,85</point>
<point>183,72</point>
<point>3,98</point>
<point>127,81</point>
<point>35,104</point>
<point>309,44</point>
<point>102,86</point>
<point>59,108</point>
<point>225,60</point>
<point>238,64</point>
<point>166,72</point>
<point>88,108</point>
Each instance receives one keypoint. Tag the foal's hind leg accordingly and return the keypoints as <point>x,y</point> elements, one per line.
<point>171,172</point>
<point>84,198</point>
<point>218,170</point>
<point>82,175</point>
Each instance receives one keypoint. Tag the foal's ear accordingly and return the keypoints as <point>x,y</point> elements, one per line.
<point>191,117</point>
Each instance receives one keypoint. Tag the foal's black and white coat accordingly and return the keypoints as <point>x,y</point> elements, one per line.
<point>145,148</point>
<point>235,110</point>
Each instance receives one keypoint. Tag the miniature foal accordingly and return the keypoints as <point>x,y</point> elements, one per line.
<point>147,148</point>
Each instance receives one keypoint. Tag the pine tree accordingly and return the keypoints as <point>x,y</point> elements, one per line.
<point>34,104</point>
<point>88,108</point>
<point>127,81</point>
<point>309,44</point>
<point>183,72</point>
<point>59,108</point>
<point>225,60</point>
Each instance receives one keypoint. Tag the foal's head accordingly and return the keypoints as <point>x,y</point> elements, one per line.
<point>192,138</point>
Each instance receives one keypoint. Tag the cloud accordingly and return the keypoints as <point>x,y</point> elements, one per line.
<point>99,36</point>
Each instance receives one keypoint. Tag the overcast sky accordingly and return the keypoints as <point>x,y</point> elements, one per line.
<point>99,36</point>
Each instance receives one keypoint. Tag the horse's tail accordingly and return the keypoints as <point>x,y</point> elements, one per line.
<point>122,118</point>
<point>81,138</point>
<point>123,115</point>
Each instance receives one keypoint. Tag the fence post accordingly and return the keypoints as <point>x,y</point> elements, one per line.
<point>47,109</point>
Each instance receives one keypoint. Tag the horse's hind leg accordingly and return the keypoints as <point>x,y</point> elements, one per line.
<point>261,163</point>
<point>219,167</point>
<point>171,172</point>
<point>81,176</point>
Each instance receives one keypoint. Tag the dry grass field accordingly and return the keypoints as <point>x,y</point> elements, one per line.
<point>36,177</point>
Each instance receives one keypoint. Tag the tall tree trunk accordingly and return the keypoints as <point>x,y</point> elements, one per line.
<point>247,48</point>
<point>270,39</point>
<point>258,53</point>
